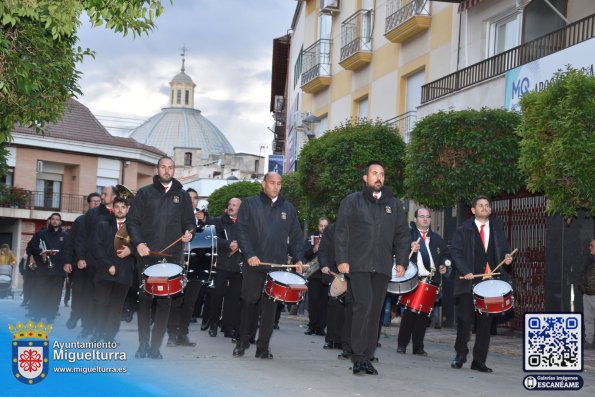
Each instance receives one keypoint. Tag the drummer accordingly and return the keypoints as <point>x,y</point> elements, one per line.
<point>431,256</point>
<point>478,246</point>
<point>264,225</point>
<point>160,215</point>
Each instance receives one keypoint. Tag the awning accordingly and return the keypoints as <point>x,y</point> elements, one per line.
<point>467,4</point>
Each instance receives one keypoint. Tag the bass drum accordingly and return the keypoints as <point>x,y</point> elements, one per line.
<point>203,255</point>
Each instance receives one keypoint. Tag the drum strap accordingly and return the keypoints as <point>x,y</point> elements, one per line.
<point>425,255</point>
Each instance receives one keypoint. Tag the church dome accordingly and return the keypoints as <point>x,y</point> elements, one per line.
<point>181,125</point>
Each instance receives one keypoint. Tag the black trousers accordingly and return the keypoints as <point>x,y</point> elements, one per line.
<point>368,291</point>
<point>413,326</point>
<point>109,300</point>
<point>181,309</point>
<point>335,314</point>
<point>252,296</point>
<point>47,292</point>
<point>202,304</point>
<point>466,315</point>
<point>83,297</point>
<point>317,301</point>
<point>228,285</point>
<point>28,285</point>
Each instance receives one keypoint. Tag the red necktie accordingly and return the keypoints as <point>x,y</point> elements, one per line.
<point>423,235</point>
<point>120,224</point>
<point>483,237</point>
<point>375,196</point>
<point>234,220</point>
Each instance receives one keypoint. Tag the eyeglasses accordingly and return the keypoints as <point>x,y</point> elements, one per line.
<point>424,217</point>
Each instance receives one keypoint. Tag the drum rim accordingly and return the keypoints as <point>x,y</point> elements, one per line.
<point>297,277</point>
<point>180,270</point>
<point>494,282</point>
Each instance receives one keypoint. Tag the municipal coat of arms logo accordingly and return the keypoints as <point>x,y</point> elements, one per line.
<point>30,351</point>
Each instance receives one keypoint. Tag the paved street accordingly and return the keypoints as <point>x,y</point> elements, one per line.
<point>300,367</point>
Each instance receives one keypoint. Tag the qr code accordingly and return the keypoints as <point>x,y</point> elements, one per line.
<point>553,342</point>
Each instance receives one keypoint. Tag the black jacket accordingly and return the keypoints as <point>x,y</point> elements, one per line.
<point>462,251</point>
<point>78,240</point>
<point>326,252</point>
<point>438,250</point>
<point>103,244</point>
<point>157,218</point>
<point>227,232</point>
<point>92,219</point>
<point>54,240</point>
<point>369,232</point>
<point>310,255</point>
<point>263,228</point>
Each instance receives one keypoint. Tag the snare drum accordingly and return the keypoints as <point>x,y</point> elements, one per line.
<point>163,279</point>
<point>404,284</point>
<point>338,288</point>
<point>421,300</point>
<point>493,297</point>
<point>285,287</point>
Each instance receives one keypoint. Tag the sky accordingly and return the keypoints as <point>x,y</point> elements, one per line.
<point>229,56</point>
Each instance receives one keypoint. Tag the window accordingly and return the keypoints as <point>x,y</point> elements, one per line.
<point>187,97</point>
<point>362,108</point>
<point>172,97</point>
<point>8,178</point>
<point>504,33</point>
<point>48,194</point>
<point>297,68</point>
<point>187,158</point>
<point>179,97</point>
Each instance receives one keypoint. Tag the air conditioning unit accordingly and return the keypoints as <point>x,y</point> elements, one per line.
<point>39,165</point>
<point>279,101</point>
<point>329,5</point>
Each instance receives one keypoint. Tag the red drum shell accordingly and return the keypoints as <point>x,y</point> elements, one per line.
<point>422,299</point>
<point>285,287</point>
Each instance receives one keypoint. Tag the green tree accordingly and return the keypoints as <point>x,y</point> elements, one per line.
<point>292,191</point>
<point>454,156</point>
<point>331,167</point>
<point>557,133</point>
<point>219,198</point>
<point>38,54</point>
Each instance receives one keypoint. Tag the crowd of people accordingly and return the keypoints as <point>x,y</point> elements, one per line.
<point>127,255</point>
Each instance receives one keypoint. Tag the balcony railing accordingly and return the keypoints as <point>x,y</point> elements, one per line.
<point>555,41</point>
<point>37,200</point>
<point>404,123</point>
<point>399,11</point>
<point>316,60</point>
<point>356,34</point>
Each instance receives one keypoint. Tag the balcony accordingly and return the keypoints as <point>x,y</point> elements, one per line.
<point>574,33</point>
<point>316,61</point>
<point>17,198</point>
<point>404,123</point>
<point>406,21</point>
<point>356,40</point>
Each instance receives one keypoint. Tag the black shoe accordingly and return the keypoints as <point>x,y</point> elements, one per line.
<point>309,332</point>
<point>378,344</point>
<point>213,332</point>
<point>264,353</point>
<point>184,341</point>
<point>370,370</point>
<point>155,354</point>
<point>344,356</point>
<point>252,341</point>
<point>127,315</point>
<point>141,352</point>
<point>320,333</point>
<point>373,360</point>
<point>71,323</point>
<point>401,349</point>
<point>458,361</point>
<point>338,345</point>
<point>359,368</point>
<point>276,326</point>
<point>481,367</point>
<point>240,348</point>
<point>172,342</point>
<point>421,353</point>
<point>328,345</point>
<point>204,325</point>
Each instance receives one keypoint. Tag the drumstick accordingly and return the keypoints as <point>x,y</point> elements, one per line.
<point>481,275</point>
<point>158,253</point>
<point>411,253</point>
<point>169,246</point>
<point>501,263</point>
<point>278,265</point>
<point>341,276</point>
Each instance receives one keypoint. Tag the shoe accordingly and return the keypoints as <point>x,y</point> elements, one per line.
<point>458,362</point>
<point>264,354</point>
<point>240,348</point>
<point>359,368</point>
<point>309,332</point>
<point>320,333</point>
<point>184,341</point>
<point>373,360</point>
<point>276,326</point>
<point>338,345</point>
<point>344,356</point>
<point>172,342</point>
<point>156,355</point>
<point>401,349</point>
<point>235,339</point>
<point>71,323</point>
<point>421,353</point>
<point>378,344</point>
<point>213,332</point>
<point>481,367</point>
<point>252,341</point>
<point>127,315</point>
<point>204,325</point>
<point>370,370</point>
<point>141,352</point>
<point>328,345</point>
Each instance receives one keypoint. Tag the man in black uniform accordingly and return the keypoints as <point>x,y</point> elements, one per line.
<point>82,277</point>
<point>114,273</point>
<point>431,254</point>
<point>264,224</point>
<point>51,248</point>
<point>317,291</point>
<point>371,228</point>
<point>477,243</point>
<point>160,214</point>
<point>228,278</point>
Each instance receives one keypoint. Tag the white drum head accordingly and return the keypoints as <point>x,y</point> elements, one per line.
<point>492,288</point>
<point>163,270</point>
<point>286,278</point>
<point>410,272</point>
